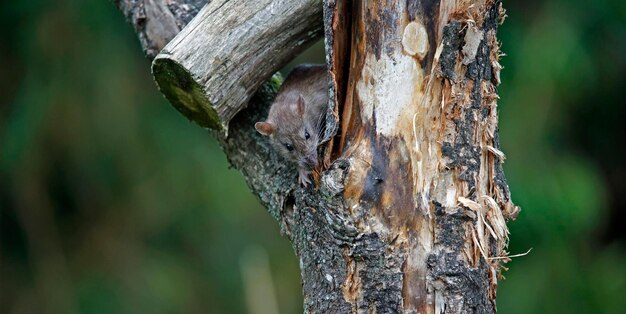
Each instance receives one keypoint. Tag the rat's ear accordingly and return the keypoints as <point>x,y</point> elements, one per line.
<point>300,105</point>
<point>265,128</point>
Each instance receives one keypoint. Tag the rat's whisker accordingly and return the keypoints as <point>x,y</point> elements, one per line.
<point>319,121</point>
<point>320,130</point>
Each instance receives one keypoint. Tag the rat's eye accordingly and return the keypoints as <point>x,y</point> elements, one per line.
<point>288,146</point>
<point>306,134</point>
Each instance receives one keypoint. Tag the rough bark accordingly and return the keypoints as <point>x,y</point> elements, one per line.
<point>213,66</point>
<point>409,216</point>
<point>156,22</point>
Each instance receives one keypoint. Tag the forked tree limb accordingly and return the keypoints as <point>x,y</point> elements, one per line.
<point>410,214</point>
<point>213,66</point>
<point>269,177</point>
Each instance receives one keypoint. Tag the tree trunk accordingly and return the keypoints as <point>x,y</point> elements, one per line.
<point>409,215</point>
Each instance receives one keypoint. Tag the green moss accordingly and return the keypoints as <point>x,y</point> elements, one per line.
<point>184,93</point>
<point>188,97</point>
<point>268,90</point>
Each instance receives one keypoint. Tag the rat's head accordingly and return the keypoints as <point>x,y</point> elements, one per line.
<point>293,134</point>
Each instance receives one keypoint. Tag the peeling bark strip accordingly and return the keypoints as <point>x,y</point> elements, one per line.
<point>410,214</point>
<point>211,69</point>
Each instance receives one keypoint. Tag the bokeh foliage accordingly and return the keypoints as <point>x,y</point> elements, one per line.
<point>111,202</point>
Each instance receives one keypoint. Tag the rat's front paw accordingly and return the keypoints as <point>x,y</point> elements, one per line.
<point>303,177</point>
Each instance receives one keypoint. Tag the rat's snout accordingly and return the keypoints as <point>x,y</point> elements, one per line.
<point>311,159</point>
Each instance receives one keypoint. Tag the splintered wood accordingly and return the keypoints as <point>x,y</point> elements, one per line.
<point>419,129</point>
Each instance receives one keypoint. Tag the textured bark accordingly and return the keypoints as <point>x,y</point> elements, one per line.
<point>409,215</point>
<point>211,68</point>
<point>158,21</point>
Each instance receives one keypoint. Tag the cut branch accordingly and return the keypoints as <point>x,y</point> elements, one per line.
<point>211,69</point>
<point>269,177</point>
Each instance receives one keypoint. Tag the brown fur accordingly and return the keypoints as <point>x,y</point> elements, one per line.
<point>299,108</point>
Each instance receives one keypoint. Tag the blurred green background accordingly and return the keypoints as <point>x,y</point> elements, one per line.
<point>112,202</point>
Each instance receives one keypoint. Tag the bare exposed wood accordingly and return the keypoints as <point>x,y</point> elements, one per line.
<point>418,135</point>
<point>409,216</point>
<point>213,66</point>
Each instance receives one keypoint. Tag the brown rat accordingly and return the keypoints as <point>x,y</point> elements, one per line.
<point>296,121</point>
